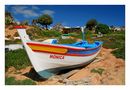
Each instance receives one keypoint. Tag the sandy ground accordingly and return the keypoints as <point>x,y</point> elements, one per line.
<point>113,73</point>
<point>10,30</point>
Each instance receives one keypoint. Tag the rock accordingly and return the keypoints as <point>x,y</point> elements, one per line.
<point>51,81</point>
<point>26,70</point>
<point>11,69</point>
<point>84,81</point>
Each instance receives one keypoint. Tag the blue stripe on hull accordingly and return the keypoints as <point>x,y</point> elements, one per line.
<point>83,51</point>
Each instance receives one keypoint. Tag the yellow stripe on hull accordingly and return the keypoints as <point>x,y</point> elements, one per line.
<point>48,49</point>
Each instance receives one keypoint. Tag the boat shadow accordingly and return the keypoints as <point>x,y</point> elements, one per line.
<point>32,74</point>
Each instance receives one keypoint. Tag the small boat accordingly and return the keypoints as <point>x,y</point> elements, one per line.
<point>48,57</point>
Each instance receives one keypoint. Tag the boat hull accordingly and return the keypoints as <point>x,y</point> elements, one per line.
<point>48,64</point>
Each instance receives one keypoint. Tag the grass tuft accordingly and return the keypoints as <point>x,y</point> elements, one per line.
<point>12,81</point>
<point>17,58</point>
<point>97,70</point>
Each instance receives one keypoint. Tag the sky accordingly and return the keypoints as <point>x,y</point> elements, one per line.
<point>71,15</point>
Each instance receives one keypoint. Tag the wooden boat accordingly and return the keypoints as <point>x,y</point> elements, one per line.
<point>48,57</point>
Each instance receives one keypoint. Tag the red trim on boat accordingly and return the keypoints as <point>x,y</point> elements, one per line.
<point>20,27</point>
<point>37,44</point>
<point>66,53</point>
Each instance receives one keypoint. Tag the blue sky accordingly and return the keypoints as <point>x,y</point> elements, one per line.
<point>71,15</point>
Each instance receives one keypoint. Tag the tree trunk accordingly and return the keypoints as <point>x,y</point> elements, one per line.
<point>46,27</point>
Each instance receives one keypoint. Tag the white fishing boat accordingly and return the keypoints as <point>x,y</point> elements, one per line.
<point>48,57</point>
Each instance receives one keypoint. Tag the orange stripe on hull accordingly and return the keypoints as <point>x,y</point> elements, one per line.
<point>48,49</point>
<point>65,47</point>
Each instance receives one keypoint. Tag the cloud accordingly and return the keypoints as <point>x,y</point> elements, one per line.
<point>49,12</point>
<point>30,11</point>
<point>25,11</point>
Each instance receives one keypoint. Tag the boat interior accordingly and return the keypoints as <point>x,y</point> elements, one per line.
<point>82,44</point>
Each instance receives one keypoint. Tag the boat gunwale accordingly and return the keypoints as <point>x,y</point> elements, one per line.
<point>68,54</point>
<point>65,47</point>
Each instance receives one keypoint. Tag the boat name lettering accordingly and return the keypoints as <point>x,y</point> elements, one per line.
<point>56,57</point>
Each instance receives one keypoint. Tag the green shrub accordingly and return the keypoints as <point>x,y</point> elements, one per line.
<point>17,58</point>
<point>66,41</point>
<point>37,32</point>
<point>73,34</point>
<point>97,70</point>
<point>119,53</point>
<point>12,81</point>
<point>103,28</point>
<point>8,20</point>
<point>34,33</point>
<point>79,35</point>
<point>51,33</point>
<point>115,40</point>
<point>89,34</point>
<point>16,41</point>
